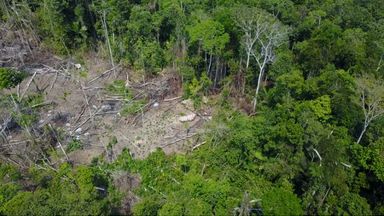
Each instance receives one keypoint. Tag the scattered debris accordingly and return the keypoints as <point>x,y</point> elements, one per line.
<point>205,99</point>
<point>87,111</point>
<point>187,118</point>
<point>78,130</point>
<point>106,108</point>
<point>188,104</point>
<point>78,66</point>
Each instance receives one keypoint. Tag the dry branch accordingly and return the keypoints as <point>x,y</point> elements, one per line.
<point>172,99</point>
<point>27,87</point>
<point>198,145</point>
<point>178,140</point>
<point>58,141</point>
<point>103,74</point>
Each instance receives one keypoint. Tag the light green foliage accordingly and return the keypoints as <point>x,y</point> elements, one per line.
<point>187,74</point>
<point>341,88</point>
<point>288,203</point>
<point>373,90</point>
<point>211,35</point>
<point>150,57</point>
<point>130,105</point>
<point>187,192</point>
<point>133,107</point>
<point>352,204</point>
<point>7,191</point>
<point>197,207</point>
<point>148,207</point>
<point>197,88</point>
<point>27,114</point>
<point>8,187</point>
<point>74,145</point>
<point>291,84</point>
<point>10,78</point>
<point>321,107</point>
<point>117,87</point>
<point>171,209</point>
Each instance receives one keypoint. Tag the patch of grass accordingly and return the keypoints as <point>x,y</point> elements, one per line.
<point>133,107</point>
<point>10,78</point>
<point>65,95</point>
<point>32,100</point>
<point>27,116</point>
<point>113,141</point>
<point>83,74</point>
<point>117,87</point>
<point>25,120</point>
<point>74,145</point>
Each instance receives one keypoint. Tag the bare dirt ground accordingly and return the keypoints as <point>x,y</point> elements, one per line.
<point>92,116</point>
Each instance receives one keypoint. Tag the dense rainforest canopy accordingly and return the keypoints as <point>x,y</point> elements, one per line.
<point>298,127</point>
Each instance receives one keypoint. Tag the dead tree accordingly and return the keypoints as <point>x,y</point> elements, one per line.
<point>246,20</point>
<point>371,91</point>
<point>262,34</point>
<point>248,207</point>
<point>106,35</point>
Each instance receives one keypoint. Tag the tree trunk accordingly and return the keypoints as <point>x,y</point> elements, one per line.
<point>247,63</point>
<point>217,71</point>
<point>257,89</point>
<point>209,66</point>
<point>104,21</point>
<point>362,133</point>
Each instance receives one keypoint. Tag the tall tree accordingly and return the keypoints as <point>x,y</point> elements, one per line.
<point>371,92</point>
<point>212,38</point>
<point>262,34</point>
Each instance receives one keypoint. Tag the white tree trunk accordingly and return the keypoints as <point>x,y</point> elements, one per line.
<point>362,133</point>
<point>248,58</point>
<point>257,89</point>
<point>104,21</point>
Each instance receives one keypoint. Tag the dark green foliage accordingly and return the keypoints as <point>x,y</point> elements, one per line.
<point>74,145</point>
<point>117,87</point>
<point>288,203</point>
<point>150,57</point>
<point>133,107</point>
<point>10,78</point>
<point>352,204</point>
<point>66,25</point>
<point>67,191</point>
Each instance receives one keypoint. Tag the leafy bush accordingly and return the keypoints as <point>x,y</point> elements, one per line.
<point>133,107</point>
<point>118,88</point>
<point>68,191</point>
<point>74,145</point>
<point>197,88</point>
<point>150,57</point>
<point>10,78</point>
